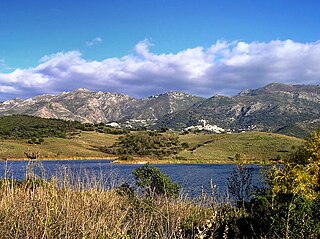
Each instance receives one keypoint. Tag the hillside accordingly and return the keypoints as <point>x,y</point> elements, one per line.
<point>95,107</point>
<point>26,127</point>
<point>252,147</point>
<point>84,145</point>
<point>65,139</point>
<point>285,109</point>
<point>202,148</point>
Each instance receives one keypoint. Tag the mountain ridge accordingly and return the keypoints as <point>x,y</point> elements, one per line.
<point>275,107</point>
<point>95,107</point>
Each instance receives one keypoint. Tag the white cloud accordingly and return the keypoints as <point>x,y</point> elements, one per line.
<point>94,41</point>
<point>223,68</point>
<point>8,89</point>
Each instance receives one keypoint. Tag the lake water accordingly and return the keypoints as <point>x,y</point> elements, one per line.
<point>192,177</point>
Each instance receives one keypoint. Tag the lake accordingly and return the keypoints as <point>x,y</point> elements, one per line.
<point>192,177</point>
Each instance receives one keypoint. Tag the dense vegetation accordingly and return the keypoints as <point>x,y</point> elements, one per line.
<point>26,127</point>
<point>37,209</point>
<point>102,128</point>
<point>289,207</point>
<point>151,144</point>
<point>35,129</point>
<point>154,182</point>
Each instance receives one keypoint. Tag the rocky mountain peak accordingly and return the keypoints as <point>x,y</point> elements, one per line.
<point>12,101</point>
<point>82,90</point>
<point>276,87</point>
<point>245,92</point>
<point>175,93</point>
<point>88,106</point>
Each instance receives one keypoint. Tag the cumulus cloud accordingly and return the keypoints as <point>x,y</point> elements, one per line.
<point>224,68</point>
<point>94,41</point>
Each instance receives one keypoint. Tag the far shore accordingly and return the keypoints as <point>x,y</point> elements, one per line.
<point>58,159</point>
<point>138,161</point>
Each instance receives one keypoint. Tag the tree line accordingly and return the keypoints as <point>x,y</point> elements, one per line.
<point>36,129</point>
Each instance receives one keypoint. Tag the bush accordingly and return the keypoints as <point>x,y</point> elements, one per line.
<point>240,183</point>
<point>125,157</point>
<point>290,208</point>
<point>301,172</point>
<point>185,145</point>
<point>35,140</point>
<point>154,182</point>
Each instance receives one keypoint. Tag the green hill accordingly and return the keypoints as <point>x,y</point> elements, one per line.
<point>67,139</point>
<point>83,145</point>
<point>251,147</point>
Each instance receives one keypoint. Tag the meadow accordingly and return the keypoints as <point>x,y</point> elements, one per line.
<point>253,147</point>
<point>76,146</point>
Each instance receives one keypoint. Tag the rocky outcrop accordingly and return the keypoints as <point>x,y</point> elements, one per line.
<point>95,107</point>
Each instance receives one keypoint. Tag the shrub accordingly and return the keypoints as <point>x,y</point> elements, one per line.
<point>185,145</point>
<point>154,182</point>
<point>240,183</point>
<point>35,140</point>
<point>290,209</point>
<point>301,173</point>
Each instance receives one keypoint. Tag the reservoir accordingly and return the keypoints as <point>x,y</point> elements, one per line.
<point>194,178</point>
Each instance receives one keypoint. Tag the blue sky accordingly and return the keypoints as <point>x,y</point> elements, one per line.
<point>143,47</point>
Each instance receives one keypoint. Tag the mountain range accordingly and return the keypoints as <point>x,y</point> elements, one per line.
<point>282,108</point>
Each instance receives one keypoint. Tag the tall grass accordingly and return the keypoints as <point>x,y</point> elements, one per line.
<point>75,208</point>
<point>72,206</point>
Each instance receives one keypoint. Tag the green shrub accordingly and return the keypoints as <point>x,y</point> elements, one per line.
<point>289,207</point>
<point>240,183</point>
<point>154,182</point>
<point>35,140</point>
<point>29,127</point>
<point>125,157</point>
<point>185,145</point>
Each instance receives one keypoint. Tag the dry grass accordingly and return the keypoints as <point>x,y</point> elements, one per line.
<point>57,209</point>
<point>70,206</point>
<point>256,147</point>
<point>79,146</point>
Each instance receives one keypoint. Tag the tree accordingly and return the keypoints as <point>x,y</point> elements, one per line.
<point>154,182</point>
<point>301,173</point>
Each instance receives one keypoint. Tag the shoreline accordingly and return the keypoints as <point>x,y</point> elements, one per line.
<point>59,159</point>
<point>141,161</point>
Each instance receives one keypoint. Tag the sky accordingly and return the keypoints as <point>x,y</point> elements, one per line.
<point>147,47</point>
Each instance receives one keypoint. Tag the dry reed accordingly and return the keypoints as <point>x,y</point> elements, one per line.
<point>89,209</point>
